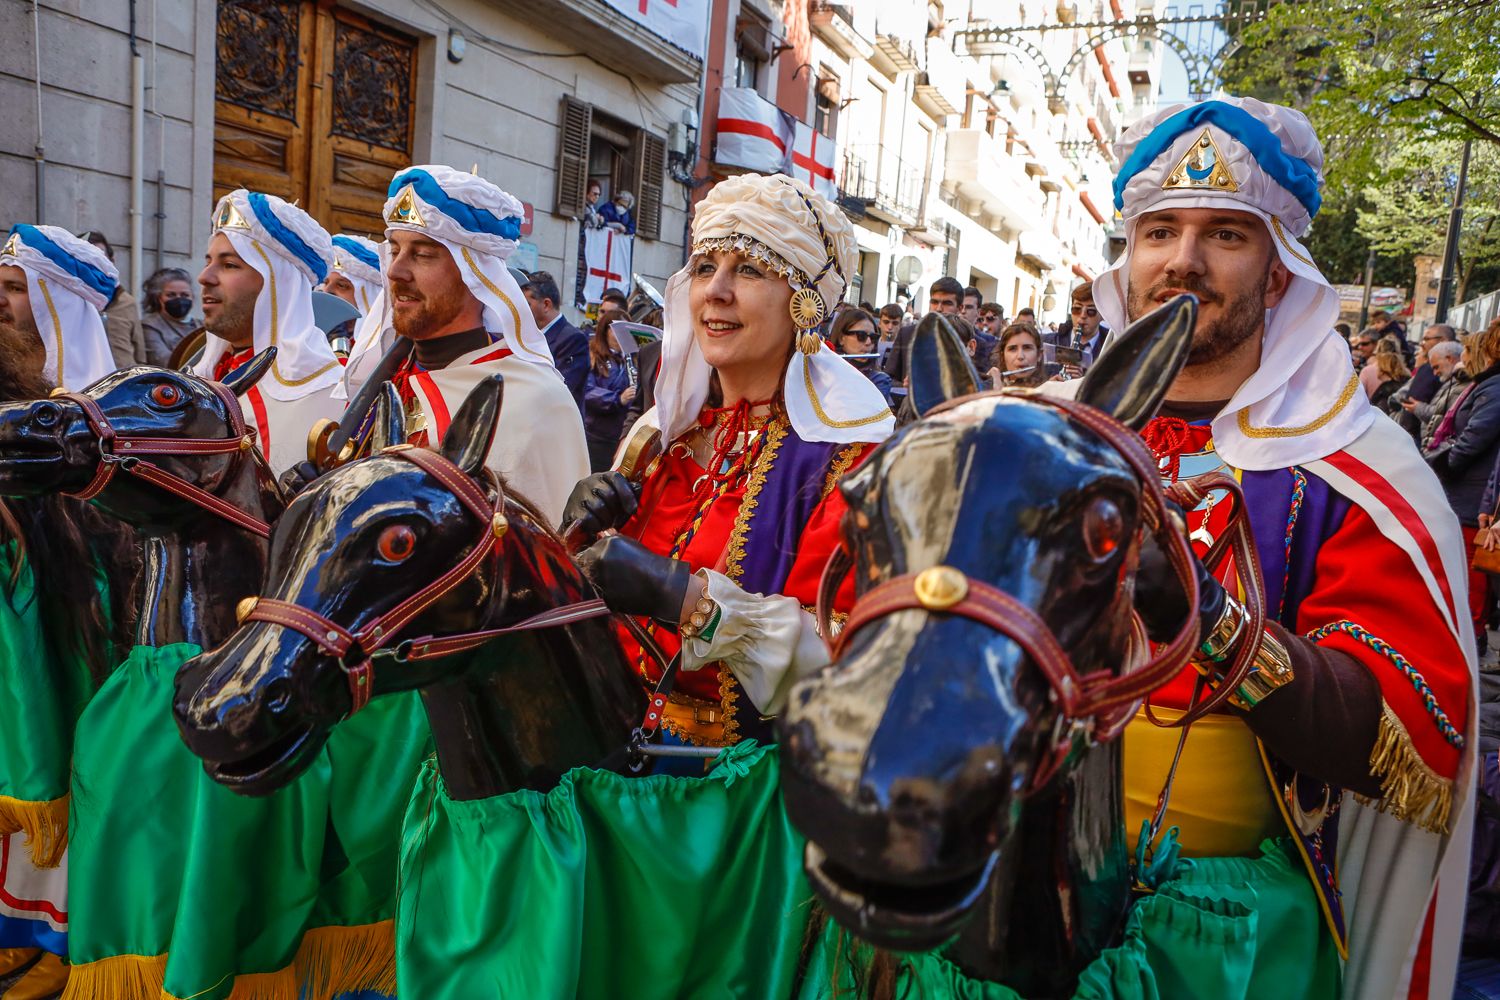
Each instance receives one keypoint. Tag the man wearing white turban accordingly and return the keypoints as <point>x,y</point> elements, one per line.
<point>448,291</point>
<point>263,260</point>
<point>1352,742</point>
<point>53,285</point>
<point>355,272</point>
<point>759,419</point>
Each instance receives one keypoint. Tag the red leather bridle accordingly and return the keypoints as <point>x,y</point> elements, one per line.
<point>123,451</point>
<point>354,649</point>
<point>1101,702</point>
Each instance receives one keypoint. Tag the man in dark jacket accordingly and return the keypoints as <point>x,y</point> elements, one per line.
<point>945,296</point>
<point>570,349</point>
<point>1424,381</point>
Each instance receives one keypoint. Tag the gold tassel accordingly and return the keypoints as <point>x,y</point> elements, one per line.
<point>334,960</point>
<point>45,825</point>
<point>1409,789</point>
<point>124,977</point>
<point>329,961</point>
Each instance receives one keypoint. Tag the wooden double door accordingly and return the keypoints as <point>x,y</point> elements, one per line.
<point>312,103</point>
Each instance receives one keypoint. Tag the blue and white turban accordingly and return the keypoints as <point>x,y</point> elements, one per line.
<point>358,259</point>
<point>480,225</point>
<point>1240,154</point>
<point>69,282</point>
<point>292,253</point>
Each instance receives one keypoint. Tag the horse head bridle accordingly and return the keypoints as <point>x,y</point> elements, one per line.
<point>1098,703</point>
<point>353,650</point>
<point>124,451</point>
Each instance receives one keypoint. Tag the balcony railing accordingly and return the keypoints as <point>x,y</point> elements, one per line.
<point>885,182</point>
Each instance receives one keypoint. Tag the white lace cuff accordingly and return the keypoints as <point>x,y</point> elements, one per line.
<point>769,643</point>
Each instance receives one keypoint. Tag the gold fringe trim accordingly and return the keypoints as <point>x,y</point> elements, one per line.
<point>840,465</point>
<point>1409,789</point>
<point>334,960</point>
<point>734,564</point>
<point>329,961</point>
<point>45,825</point>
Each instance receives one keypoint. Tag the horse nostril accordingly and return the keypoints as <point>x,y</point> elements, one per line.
<point>278,695</point>
<point>46,415</point>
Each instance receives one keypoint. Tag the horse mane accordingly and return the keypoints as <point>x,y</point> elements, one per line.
<point>71,547</point>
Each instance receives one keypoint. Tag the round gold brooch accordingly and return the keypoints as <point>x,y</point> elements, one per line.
<point>807,308</point>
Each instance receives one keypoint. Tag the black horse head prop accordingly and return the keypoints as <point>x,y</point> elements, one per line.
<point>994,543</point>
<point>428,561</point>
<point>185,428</point>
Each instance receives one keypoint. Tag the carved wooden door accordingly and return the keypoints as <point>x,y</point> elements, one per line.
<point>314,103</point>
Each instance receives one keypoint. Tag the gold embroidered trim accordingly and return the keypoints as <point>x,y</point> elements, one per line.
<point>841,464</point>
<point>515,315</point>
<point>727,697</point>
<point>775,433</point>
<point>57,332</point>
<point>1409,789</point>
<point>812,394</point>
<point>1281,235</point>
<point>276,320</point>
<point>734,565</point>
<point>749,246</point>
<point>1284,432</point>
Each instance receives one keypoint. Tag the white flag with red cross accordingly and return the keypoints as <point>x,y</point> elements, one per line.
<point>812,161</point>
<point>753,133</point>
<point>606,259</point>
<point>684,23</point>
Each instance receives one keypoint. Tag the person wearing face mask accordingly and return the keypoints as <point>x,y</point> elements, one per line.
<point>166,313</point>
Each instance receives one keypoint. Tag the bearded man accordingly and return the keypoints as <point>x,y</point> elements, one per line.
<point>449,292</point>
<point>263,259</point>
<point>52,287</point>
<point>1350,747</point>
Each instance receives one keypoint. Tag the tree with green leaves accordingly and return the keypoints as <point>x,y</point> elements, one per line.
<point>1394,87</point>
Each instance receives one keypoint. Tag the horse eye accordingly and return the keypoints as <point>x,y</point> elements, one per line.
<point>396,543</point>
<point>1103,528</point>
<point>166,395</point>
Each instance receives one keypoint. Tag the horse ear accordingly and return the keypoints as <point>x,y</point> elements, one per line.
<point>939,368</point>
<point>1131,378</point>
<point>390,419</point>
<point>246,375</point>
<point>472,431</point>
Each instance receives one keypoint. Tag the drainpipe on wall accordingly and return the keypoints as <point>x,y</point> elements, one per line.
<point>137,144</point>
<point>41,151</point>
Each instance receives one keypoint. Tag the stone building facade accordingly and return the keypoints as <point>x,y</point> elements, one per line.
<point>322,101</point>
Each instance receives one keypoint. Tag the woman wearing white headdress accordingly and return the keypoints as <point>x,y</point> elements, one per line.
<point>759,419</point>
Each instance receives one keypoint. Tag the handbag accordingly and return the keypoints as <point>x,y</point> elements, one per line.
<point>1487,560</point>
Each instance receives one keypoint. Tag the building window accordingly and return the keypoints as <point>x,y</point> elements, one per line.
<point>752,52</point>
<point>826,104</point>
<point>593,146</point>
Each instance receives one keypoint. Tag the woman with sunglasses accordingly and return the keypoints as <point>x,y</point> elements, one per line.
<point>853,336</point>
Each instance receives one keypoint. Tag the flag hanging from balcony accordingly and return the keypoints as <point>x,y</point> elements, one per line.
<point>812,161</point>
<point>606,261</point>
<point>754,133</point>
<point>684,23</point>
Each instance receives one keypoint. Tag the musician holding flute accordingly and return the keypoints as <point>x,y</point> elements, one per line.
<point>611,386</point>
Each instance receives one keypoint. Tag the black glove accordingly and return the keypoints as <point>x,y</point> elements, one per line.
<point>1159,597</point>
<point>296,479</point>
<point>599,502</point>
<point>633,580</point>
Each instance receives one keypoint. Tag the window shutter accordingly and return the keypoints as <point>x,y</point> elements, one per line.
<point>650,168</point>
<point>573,156</point>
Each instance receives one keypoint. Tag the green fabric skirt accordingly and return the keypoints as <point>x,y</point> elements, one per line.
<point>693,887</point>
<point>44,694</point>
<point>178,884</point>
